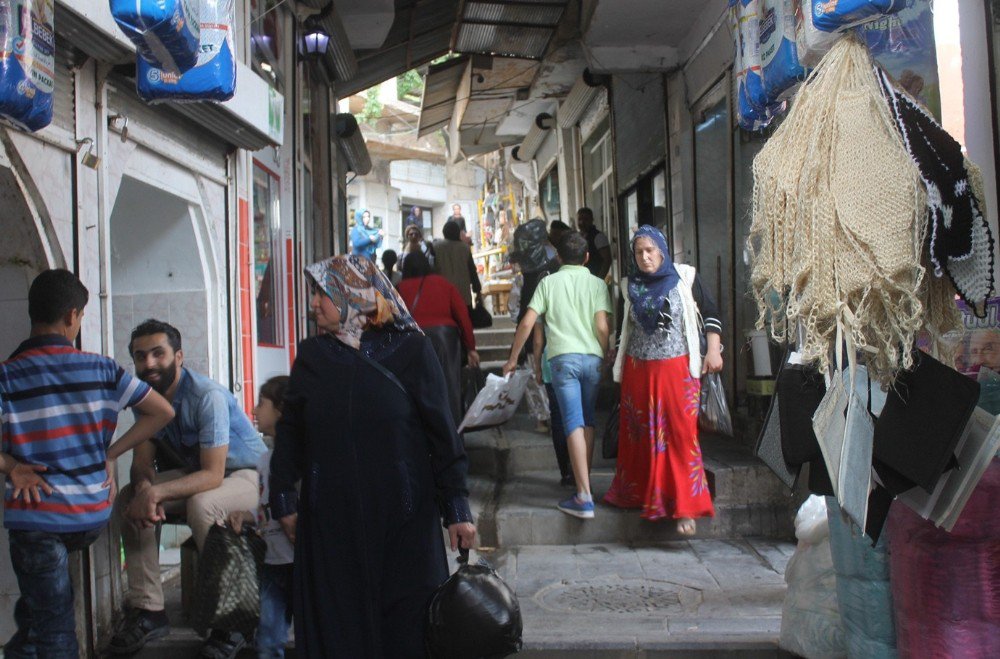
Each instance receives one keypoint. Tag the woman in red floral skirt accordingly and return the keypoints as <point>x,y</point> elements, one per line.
<point>659,365</point>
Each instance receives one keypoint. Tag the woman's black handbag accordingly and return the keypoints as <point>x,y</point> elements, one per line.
<point>609,442</point>
<point>473,615</point>
<point>228,589</point>
<point>481,318</point>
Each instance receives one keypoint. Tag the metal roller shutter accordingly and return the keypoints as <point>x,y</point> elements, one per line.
<point>638,110</point>
<point>64,96</point>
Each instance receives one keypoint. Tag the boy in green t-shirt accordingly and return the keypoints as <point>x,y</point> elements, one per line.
<point>576,307</point>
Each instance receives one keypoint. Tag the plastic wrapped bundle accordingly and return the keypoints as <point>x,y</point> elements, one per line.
<point>946,586</point>
<point>811,42</point>
<point>27,62</point>
<point>810,618</point>
<point>165,32</point>
<point>863,590</point>
<point>780,67</point>
<point>528,246</point>
<point>214,76</point>
<point>842,14</point>
<point>752,110</point>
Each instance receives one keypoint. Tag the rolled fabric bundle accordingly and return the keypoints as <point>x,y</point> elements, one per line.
<point>946,586</point>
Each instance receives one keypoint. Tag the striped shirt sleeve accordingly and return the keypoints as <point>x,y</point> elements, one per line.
<point>129,390</point>
<point>707,306</point>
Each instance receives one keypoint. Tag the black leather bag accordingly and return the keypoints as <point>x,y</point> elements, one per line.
<point>925,414</point>
<point>609,442</point>
<point>473,614</point>
<point>227,597</point>
<point>481,318</point>
<point>800,389</point>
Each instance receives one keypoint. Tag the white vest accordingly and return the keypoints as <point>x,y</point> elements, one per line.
<point>692,323</point>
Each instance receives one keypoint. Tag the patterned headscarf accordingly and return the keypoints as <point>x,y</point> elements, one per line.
<point>648,291</point>
<point>361,293</point>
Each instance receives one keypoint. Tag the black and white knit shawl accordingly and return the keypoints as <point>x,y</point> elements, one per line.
<point>960,242</point>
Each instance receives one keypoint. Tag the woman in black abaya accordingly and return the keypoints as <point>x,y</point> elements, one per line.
<point>367,427</point>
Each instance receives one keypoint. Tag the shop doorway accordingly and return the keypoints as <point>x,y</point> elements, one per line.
<point>157,270</point>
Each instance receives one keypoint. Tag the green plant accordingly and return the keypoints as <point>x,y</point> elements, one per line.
<point>373,108</point>
<point>410,86</point>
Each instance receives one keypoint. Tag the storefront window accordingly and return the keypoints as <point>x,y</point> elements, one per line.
<point>597,179</point>
<point>550,195</point>
<point>267,43</point>
<point>267,257</point>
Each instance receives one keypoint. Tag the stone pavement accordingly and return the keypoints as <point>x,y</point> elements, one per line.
<point>696,598</point>
<point>681,598</point>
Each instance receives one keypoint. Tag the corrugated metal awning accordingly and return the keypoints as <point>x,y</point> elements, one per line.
<point>440,93</point>
<point>105,43</point>
<point>522,28</point>
<point>421,31</point>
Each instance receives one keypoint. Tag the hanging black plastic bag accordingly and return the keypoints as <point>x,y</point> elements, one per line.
<point>228,592</point>
<point>528,247</point>
<point>713,410</point>
<point>473,615</point>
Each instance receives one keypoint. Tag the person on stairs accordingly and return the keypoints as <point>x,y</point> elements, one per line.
<point>576,307</point>
<point>659,365</point>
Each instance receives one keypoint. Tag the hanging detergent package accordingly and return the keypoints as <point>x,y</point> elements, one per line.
<point>27,62</point>
<point>214,76</point>
<point>165,32</point>
<point>744,22</point>
<point>837,15</point>
<point>752,110</point>
<point>903,43</point>
<point>811,42</point>
<point>780,67</point>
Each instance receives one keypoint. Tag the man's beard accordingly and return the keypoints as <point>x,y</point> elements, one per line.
<point>167,375</point>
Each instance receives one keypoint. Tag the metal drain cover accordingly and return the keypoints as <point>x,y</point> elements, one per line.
<point>615,595</point>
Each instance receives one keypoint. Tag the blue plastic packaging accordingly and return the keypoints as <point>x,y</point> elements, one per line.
<point>213,78</point>
<point>836,15</point>
<point>780,67</point>
<point>165,32</point>
<point>752,110</point>
<point>27,62</point>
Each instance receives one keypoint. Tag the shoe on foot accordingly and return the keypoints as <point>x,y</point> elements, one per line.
<point>577,508</point>
<point>567,481</point>
<point>140,627</point>
<point>222,645</point>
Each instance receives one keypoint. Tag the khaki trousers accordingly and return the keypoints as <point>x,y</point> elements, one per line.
<point>239,491</point>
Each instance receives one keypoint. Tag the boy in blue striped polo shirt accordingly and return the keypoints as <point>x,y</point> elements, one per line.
<point>58,413</point>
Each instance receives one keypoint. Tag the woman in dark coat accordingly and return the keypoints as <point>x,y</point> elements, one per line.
<point>367,427</point>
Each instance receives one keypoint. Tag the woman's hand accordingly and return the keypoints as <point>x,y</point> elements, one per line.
<point>288,523</point>
<point>473,358</point>
<point>509,367</point>
<point>712,362</point>
<point>464,533</point>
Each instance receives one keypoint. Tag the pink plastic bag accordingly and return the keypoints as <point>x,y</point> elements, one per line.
<point>945,586</point>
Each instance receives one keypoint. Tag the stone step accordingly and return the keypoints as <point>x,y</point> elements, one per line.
<point>696,598</point>
<point>490,354</point>
<point>523,512</point>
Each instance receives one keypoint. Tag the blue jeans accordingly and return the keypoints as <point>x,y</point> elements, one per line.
<point>275,610</point>
<point>44,613</point>
<point>575,378</point>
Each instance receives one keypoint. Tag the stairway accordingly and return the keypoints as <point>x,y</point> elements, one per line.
<point>618,586</point>
<point>493,343</point>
